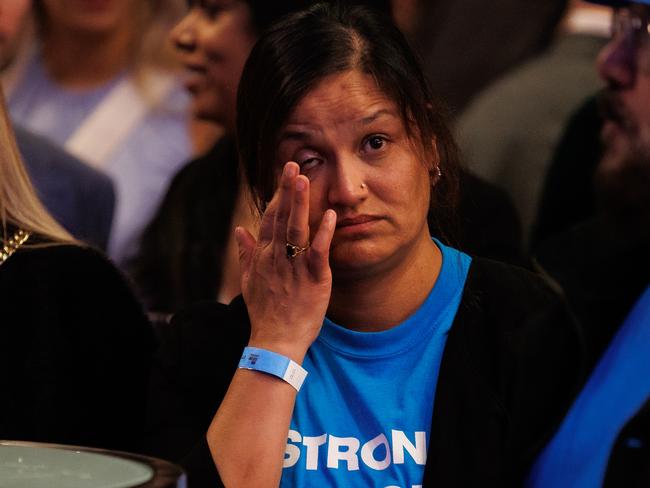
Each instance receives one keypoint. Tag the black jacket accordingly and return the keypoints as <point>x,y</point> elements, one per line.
<point>510,368</point>
<point>75,349</point>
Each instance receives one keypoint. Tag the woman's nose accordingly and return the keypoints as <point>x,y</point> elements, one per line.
<point>183,35</point>
<point>347,186</point>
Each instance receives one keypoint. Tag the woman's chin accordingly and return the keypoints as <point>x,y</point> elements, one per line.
<point>355,257</point>
<point>205,108</point>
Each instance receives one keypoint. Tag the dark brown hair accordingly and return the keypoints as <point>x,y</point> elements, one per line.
<point>266,12</point>
<point>294,55</point>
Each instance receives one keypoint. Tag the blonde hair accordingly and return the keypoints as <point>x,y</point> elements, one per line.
<point>19,205</point>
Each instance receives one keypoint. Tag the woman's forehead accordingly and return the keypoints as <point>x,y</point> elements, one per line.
<point>350,97</point>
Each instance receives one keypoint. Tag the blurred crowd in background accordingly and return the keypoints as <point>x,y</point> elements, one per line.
<point>125,119</point>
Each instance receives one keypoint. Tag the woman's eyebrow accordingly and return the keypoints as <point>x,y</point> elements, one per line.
<point>297,134</point>
<point>379,113</point>
<point>294,135</point>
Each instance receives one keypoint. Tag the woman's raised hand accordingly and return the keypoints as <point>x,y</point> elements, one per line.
<point>287,297</point>
<point>287,294</point>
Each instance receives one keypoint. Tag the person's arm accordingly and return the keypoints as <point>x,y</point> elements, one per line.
<point>286,300</point>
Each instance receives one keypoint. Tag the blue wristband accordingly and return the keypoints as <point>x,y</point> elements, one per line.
<point>274,364</point>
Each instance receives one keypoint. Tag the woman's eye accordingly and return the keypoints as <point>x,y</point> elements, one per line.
<point>309,163</point>
<point>211,8</point>
<point>374,143</point>
<point>212,12</point>
<point>307,159</point>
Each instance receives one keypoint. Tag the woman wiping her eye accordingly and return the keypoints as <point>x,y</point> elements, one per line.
<point>373,354</point>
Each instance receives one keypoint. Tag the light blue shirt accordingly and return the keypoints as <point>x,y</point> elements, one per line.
<point>362,418</point>
<point>577,455</point>
<point>141,167</point>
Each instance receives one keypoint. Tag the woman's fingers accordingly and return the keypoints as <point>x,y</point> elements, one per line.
<point>268,222</point>
<point>286,220</point>
<point>283,211</point>
<point>278,204</point>
<point>287,296</point>
<point>246,244</point>
<point>318,254</point>
<point>298,224</point>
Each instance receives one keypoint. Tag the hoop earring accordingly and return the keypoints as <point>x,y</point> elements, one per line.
<point>435,175</point>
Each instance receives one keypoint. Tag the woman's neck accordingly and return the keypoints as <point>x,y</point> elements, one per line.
<point>81,60</point>
<point>382,301</point>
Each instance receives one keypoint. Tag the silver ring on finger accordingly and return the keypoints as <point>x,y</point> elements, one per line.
<point>293,250</point>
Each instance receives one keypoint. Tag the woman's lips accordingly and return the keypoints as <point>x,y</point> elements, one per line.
<point>192,85</point>
<point>94,5</point>
<point>357,224</point>
<point>193,80</point>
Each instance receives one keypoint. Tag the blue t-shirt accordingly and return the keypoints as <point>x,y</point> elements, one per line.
<point>577,455</point>
<point>363,416</point>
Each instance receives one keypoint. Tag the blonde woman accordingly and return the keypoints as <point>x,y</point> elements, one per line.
<point>100,80</point>
<point>75,344</point>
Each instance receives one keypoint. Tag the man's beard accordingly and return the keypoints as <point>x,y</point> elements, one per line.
<point>622,179</point>
<point>612,109</point>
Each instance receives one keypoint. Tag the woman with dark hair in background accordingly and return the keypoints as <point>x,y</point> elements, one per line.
<point>421,365</point>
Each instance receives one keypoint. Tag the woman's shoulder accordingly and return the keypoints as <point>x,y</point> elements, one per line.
<point>506,290</point>
<point>204,338</point>
<point>511,313</point>
<point>45,255</point>
<point>56,272</point>
<point>73,286</point>
<point>512,362</point>
<point>213,324</point>
<point>201,345</point>
<point>513,321</point>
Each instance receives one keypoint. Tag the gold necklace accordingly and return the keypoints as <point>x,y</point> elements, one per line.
<point>14,242</point>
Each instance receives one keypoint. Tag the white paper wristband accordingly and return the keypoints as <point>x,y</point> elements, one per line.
<point>273,363</point>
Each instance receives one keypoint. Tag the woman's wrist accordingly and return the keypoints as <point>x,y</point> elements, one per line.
<point>293,351</point>
<point>278,365</point>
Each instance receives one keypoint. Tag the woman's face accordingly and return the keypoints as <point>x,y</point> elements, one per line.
<point>214,40</point>
<point>350,141</point>
<point>13,17</point>
<point>91,16</point>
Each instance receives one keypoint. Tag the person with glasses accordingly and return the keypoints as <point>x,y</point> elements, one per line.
<point>509,131</point>
<point>605,438</point>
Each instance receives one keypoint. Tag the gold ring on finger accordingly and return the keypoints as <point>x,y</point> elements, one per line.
<point>293,250</point>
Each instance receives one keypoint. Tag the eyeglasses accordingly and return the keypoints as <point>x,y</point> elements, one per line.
<point>631,27</point>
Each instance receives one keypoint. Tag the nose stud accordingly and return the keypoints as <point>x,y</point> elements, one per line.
<point>363,186</point>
